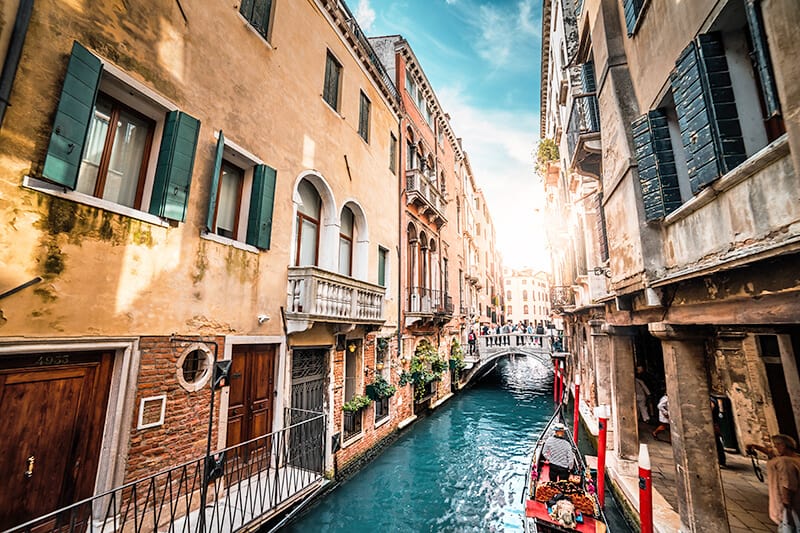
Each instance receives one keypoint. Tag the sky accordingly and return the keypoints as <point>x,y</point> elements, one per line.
<point>482,58</point>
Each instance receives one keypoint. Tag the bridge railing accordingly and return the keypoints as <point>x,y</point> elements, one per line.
<point>488,345</point>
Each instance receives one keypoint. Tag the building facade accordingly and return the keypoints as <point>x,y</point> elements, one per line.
<point>681,141</point>
<point>527,296</point>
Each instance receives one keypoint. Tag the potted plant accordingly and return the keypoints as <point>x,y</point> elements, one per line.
<point>380,388</point>
<point>426,366</point>
<point>357,403</point>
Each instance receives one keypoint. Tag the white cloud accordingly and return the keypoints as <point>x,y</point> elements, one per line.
<point>500,147</point>
<point>365,15</point>
<point>501,29</point>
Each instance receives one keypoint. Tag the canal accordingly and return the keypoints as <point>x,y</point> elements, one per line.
<point>460,469</point>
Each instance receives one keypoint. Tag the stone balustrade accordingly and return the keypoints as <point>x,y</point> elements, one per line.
<point>317,295</point>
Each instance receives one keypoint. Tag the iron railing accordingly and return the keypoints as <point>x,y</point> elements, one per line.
<point>584,119</point>
<point>429,301</point>
<point>219,493</point>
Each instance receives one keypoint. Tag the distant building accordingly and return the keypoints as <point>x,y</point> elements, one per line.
<point>527,296</point>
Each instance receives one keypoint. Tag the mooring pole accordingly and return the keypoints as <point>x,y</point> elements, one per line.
<point>577,408</point>
<point>645,490</point>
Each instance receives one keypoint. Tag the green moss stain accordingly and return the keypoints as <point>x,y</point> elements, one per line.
<point>54,263</point>
<point>200,264</point>
<point>61,216</point>
<point>45,293</point>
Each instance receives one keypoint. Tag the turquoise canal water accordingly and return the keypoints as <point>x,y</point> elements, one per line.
<point>460,469</point>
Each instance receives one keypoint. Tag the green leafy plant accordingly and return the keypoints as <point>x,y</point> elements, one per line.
<point>426,366</point>
<point>382,344</point>
<point>546,152</point>
<point>357,403</point>
<point>380,388</point>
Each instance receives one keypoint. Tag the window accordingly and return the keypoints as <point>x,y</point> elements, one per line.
<point>508,295</point>
<point>383,258</point>
<point>393,153</point>
<point>633,10</point>
<point>242,196</point>
<point>524,309</point>
<point>333,73</point>
<point>508,282</point>
<point>363,117</point>
<point>524,296</point>
<point>708,126</point>
<point>524,281</point>
<point>116,153</point>
<point>257,13</point>
<point>411,86</point>
<point>229,197</point>
<point>509,309</point>
<point>346,242</point>
<point>308,214</point>
<point>103,142</point>
<point>352,421</point>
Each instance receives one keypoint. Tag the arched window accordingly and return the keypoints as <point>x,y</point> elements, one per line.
<point>422,281</point>
<point>308,215</point>
<point>508,295</point>
<point>524,309</point>
<point>346,230</point>
<point>524,296</point>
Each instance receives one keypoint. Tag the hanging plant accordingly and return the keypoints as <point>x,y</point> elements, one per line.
<point>426,366</point>
<point>380,388</point>
<point>357,403</point>
<point>382,344</point>
<point>457,357</point>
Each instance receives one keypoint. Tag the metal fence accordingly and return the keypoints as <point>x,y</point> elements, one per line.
<point>218,493</point>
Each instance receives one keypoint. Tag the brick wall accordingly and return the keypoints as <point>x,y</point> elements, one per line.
<point>182,437</point>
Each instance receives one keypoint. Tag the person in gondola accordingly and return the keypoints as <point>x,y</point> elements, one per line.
<point>558,451</point>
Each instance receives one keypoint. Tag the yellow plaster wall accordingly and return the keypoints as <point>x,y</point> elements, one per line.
<point>108,274</point>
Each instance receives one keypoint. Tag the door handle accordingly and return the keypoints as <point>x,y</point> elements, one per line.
<point>29,470</point>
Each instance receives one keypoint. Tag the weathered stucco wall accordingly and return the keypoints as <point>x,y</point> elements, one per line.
<point>108,274</point>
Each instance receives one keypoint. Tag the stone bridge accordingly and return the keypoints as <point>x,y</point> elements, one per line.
<point>491,348</point>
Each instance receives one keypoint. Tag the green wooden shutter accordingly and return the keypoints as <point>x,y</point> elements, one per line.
<point>704,101</point>
<point>73,116</point>
<point>657,172</point>
<point>382,253</point>
<point>632,10</point>
<point>602,236</point>
<point>262,200</point>
<point>755,23</point>
<point>212,194</point>
<point>174,166</point>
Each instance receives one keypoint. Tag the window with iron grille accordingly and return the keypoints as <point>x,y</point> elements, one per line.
<point>363,117</point>
<point>381,409</point>
<point>333,73</point>
<point>257,13</point>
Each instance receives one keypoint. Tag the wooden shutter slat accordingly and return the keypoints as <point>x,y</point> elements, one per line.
<point>262,200</point>
<point>766,77</point>
<point>658,174</point>
<point>212,194</point>
<point>73,117</point>
<point>174,167</point>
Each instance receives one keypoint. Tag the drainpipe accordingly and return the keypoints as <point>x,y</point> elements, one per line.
<point>14,52</point>
<point>400,182</point>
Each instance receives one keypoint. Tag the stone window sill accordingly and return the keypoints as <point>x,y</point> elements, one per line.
<point>229,242</point>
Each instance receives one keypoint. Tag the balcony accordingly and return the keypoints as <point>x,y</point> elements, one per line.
<point>316,295</point>
<point>583,136</point>
<point>561,297</point>
<point>421,192</point>
<point>423,303</point>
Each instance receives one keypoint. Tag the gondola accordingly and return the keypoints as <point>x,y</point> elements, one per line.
<point>543,513</point>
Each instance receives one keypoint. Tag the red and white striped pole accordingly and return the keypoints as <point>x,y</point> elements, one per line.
<point>555,381</point>
<point>577,408</point>
<point>602,424</point>
<point>645,490</point>
<point>560,383</point>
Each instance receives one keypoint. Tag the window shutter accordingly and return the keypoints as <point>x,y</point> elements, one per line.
<point>632,8</point>
<point>602,237</point>
<point>755,23</point>
<point>212,194</point>
<point>657,172</point>
<point>73,116</point>
<point>707,115</point>
<point>174,166</point>
<point>262,199</point>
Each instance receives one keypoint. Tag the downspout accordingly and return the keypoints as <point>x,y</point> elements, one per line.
<point>11,62</point>
<point>400,182</point>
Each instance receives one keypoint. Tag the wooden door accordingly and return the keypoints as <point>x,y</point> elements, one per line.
<point>252,390</point>
<point>53,409</point>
